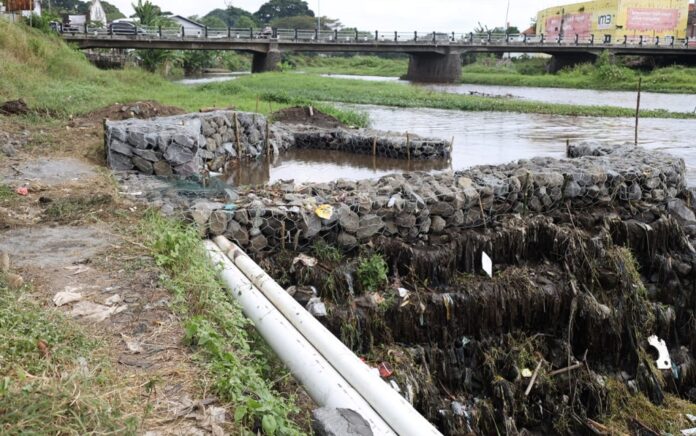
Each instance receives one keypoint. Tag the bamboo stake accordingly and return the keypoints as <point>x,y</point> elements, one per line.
<point>640,83</point>
<point>236,132</point>
<point>374,146</point>
<point>257,104</point>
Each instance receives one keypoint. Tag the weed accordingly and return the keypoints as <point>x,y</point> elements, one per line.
<point>44,389</point>
<point>6,192</point>
<point>372,272</point>
<point>216,326</point>
<point>70,209</point>
<point>326,253</point>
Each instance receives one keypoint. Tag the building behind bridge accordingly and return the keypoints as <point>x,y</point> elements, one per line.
<point>611,20</point>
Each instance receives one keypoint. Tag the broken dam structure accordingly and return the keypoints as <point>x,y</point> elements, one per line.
<point>592,259</point>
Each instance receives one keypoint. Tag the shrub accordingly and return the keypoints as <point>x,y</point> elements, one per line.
<point>372,272</point>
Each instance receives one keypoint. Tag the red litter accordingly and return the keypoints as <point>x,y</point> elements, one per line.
<point>23,191</point>
<point>384,370</point>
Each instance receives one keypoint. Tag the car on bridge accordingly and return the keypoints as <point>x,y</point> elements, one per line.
<point>125,28</point>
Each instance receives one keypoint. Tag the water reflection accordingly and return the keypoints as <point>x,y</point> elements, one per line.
<point>323,166</point>
<point>211,78</point>
<point>497,137</point>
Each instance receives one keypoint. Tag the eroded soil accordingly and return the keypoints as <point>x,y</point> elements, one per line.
<point>74,232</point>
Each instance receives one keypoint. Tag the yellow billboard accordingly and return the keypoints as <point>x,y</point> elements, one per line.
<point>616,19</point>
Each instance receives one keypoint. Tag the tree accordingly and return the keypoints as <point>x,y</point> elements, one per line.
<point>282,8</point>
<point>245,22</point>
<point>147,13</point>
<point>213,22</point>
<point>233,16</point>
<point>299,22</point>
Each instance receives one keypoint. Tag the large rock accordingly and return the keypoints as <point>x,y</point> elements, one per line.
<point>679,209</point>
<point>328,421</point>
<point>177,154</point>
<point>310,224</point>
<point>349,220</point>
<point>370,225</point>
<point>218,222</point>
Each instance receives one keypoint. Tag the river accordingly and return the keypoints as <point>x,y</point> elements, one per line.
<point>480,138</point>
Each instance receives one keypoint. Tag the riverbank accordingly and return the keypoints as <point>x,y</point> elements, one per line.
<point>304,89</point>
<point>522,71</point>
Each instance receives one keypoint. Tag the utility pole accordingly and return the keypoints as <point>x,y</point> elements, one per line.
<point>507,17</point>
<point>319,15</point>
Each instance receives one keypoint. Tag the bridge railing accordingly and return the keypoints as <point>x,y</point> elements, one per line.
<point>360,36</point>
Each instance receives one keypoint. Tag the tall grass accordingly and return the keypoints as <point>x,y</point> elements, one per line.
<point>606,74</point>
<point>352,65</point>
<point>296,88</point>
<point>58,81</point>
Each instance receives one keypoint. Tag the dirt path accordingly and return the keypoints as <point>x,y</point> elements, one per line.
<point>60,239</point>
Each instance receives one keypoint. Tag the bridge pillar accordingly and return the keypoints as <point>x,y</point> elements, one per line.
<point>265,62</point>
<point>435,68</point>
<point>560,61</point>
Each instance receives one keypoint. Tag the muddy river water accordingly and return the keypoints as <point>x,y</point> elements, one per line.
<point>490,137</point>
<point>479,138</point>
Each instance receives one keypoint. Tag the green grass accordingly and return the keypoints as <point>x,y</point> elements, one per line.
<point>603,76</point>
<point>56,80</point>
<point>215,326</point>
<point>352,65</point>
<point>52,394</point>
<point>291,89</point>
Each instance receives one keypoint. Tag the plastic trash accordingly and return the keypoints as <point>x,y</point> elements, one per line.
<point>663,360</point>
<point>325,211</point>
<point>317,308</point>
<point>385,370</point>
<point>487,264</point>
<point>23,191</point>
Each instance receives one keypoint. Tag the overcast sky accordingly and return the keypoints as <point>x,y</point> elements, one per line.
<point>387,15</point>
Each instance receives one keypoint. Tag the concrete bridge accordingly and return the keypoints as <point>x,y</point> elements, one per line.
<point>434,56</point>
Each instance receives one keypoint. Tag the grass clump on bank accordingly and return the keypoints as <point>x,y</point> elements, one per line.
<point>216,326</point>
<point>353,65</point>
<point>298,89</point>
<point>53,380</point>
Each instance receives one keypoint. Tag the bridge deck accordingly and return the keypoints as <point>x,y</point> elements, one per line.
<point>378,42</point>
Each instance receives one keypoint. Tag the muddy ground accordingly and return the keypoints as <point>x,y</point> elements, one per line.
<point>75,232</point>
<point>306,116</point>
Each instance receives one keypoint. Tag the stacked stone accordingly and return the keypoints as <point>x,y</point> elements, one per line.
<point>184,145</point>
<point>362,141</point>
<point>424,207</point>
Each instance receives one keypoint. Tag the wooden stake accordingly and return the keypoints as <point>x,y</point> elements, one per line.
<point>374,146</point>
<point>640,83</point>
<point>311,111</point>
<point>533,380</point>
<point>268,142</point>
<point>483,214</point>
<point>282,236</point>
<point>236,132</point>
<point>408,146</point>
<point>567,147</point>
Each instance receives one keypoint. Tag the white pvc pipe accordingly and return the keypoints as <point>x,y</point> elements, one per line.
<point>321,381</point>
<point>392,407</point>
